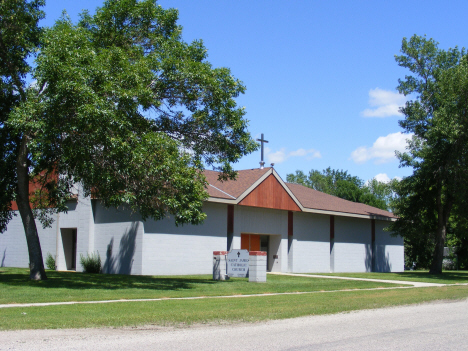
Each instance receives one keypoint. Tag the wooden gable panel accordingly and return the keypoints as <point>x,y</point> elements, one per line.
<point>270,194</point>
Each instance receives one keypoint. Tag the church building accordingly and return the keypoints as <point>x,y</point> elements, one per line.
<point>301,229</point>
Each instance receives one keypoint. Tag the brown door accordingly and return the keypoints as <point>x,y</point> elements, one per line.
<point>250,242</point>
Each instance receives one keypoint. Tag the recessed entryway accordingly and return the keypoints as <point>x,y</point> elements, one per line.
<point>69,247</point>
<point>262,242</point>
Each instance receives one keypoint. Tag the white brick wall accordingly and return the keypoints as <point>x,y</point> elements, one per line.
<point>311,243</point>
<point>187,249</point>
<point>13,246</point>
<point>353,238</point>
<point>128,245</point>
<point>389,251</point>
<point>118,237</point>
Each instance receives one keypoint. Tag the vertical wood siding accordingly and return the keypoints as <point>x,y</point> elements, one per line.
<point>270,194</point>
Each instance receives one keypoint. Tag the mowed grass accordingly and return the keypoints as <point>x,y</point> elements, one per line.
<point>447,277</point>
<point>15,286</point>
<point>217,310</point>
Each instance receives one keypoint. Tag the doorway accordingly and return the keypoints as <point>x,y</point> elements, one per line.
<point>69,247</point>
<point>256,242</point>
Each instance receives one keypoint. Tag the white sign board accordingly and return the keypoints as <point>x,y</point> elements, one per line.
<point>238,263</point>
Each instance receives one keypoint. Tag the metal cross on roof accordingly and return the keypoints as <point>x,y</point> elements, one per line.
<point>262,140</point>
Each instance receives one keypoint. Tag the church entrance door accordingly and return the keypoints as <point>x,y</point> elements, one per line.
<point>256,242</point>
<point>250,242</point>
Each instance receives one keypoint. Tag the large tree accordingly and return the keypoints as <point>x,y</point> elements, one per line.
<point>19,38</point>
<point>119,104</point>
<point>438,118</point>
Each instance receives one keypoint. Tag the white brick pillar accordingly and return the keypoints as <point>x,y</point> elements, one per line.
<point>219,265</point>
<point>257,266</point>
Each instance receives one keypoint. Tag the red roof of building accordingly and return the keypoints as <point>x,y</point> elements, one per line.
<point>308,199</point>
<point>233,189</point>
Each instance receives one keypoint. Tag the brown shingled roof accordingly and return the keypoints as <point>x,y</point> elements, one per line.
<point>317,200</point>
<point>245,179</point>
<point>308,198</point>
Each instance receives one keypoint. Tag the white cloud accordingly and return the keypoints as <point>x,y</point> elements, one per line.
<point>382,177</point>
<point>282,155</point>
<point>275,157</point>
<point>383,149</point>
<point>308,154</point>
<point>385,103</point>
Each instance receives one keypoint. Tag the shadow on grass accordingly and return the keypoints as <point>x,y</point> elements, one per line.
<point>452,276</point>
<point>77,281</point>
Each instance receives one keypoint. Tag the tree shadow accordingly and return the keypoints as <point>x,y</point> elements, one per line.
<point>377,261</point>
<point>109,262</point>
<point>122,262</point>
<point>127,250</point>
<point>80,281</point>
<point>3,259</point>
<point>456,277</point>
<point>368,261</point>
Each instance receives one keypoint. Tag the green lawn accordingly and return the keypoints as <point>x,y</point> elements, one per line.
<point>16,287</point>
<point>447,277</point>
<point>219,310</point>
<point>326,296</point>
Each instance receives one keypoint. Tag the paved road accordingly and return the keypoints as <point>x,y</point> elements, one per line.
<point>432,326</point>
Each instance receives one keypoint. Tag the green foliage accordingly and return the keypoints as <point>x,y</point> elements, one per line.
<point>341,184</point>
<point>50,262</point>
<point>19,39</point>
<point>418,250</point>
<point>119,104</point>
<point>438,152</point>
<point>416,224</point>
<point>91,263</point>
<point>122,105</point>
<point>457,237</point>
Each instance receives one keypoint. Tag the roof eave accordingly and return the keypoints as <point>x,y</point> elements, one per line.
<point>348,214</point>
<point>222,201</point>
<point>311,210</point>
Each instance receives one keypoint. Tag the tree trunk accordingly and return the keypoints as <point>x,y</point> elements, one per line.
<point>36,263</point>
<point>442,219</point>
<point>438,256</point>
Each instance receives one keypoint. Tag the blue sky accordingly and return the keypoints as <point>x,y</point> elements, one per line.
<point>320,75</point>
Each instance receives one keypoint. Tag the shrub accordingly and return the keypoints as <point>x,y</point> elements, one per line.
<point>50,262</point>
<point>91,262</point>
<point>448,264</point>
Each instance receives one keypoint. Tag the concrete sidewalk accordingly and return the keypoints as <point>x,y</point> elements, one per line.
<point>414,284</point>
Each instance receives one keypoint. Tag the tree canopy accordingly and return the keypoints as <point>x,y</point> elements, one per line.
<point>118,103</point>
<point>341,184</point>
<point>437,116</point>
